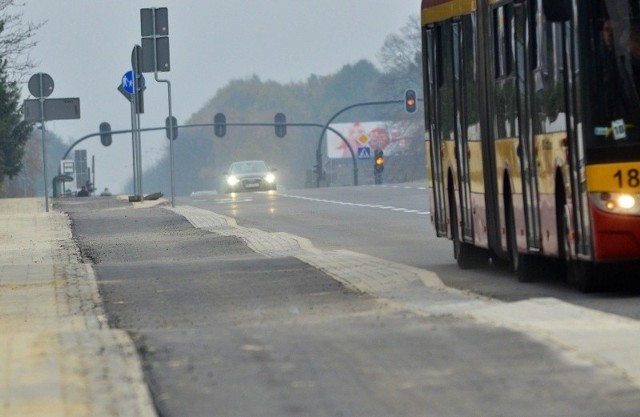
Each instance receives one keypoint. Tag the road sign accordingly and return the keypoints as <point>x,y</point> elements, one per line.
<point>155,54</point>
<point>124,93</point>
<point>154,21</point>
<point>54,109</point>
<point>363,139</point>
<point>154,28</point>
<point>364,152</point>
<point>40,85</point>
<point>67,166</point>
<point>128,84</point>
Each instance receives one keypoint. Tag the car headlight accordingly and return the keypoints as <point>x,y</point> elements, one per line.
<point>619,203</point>
<point>270,178</point>
<point>232,180</point>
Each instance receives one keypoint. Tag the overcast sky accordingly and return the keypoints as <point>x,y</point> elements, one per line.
<point>86,45</point>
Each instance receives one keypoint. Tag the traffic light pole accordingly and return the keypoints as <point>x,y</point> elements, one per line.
<point>171,139</point>
<point>150,129</point>
<point>326,127</point>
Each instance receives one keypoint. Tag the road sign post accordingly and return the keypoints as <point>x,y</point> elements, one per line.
<point>154,29</point>
<point>42,109</point>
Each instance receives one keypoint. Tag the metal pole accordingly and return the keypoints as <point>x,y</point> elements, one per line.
<point>150,129</point>
<point>44,158</point>
<point>171,168</point>
<point>136,114</point>
<point>139,153</point>
<point>171,139</point>
<point>155,60</point>
<point>133,145</point>
<point>326,126</point>
<point>44,146</point>
<point>93,170</point>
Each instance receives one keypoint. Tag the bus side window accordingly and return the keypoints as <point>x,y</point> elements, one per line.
<point>557,10</point>
<point>503,40</point>
<point>429,79</point>
<point>438,54</point>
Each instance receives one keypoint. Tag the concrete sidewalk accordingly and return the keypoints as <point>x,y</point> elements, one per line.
<point>58,357</point>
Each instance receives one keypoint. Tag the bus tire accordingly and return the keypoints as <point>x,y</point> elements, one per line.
<point>467,255</point>
<point>471,257</point>
<point>523,265</point>
<point>528,268</point>
<point>584,275</point>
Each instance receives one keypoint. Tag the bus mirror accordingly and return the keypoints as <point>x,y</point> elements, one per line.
<point>557,10</point>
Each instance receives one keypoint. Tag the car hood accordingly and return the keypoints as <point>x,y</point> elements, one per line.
<point>250,175</point>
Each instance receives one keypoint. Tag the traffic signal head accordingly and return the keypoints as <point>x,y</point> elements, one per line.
<point>379,160</point>
<point>220,124</point>
<point>410,101</point>
<point>280,121</point>
<point>105,134</point>
<point>171,124</point>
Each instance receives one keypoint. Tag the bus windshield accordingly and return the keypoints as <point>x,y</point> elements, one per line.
<point>615,103</point>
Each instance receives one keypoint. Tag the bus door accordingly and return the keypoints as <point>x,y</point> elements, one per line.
<point>433,45</point>
<point>577,161</point>
<point>525,148</point>
<point>461,134</point>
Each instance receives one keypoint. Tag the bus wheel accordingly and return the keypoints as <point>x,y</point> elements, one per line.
<point>584,275</point>
<point>470,257</point>
<point>522,264</point>
<point>467,255</point>
<point>564,245</point>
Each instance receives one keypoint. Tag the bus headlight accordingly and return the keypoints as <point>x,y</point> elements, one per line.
<point>232,180</point>
<point>619,203</point>
<point>270,178</point>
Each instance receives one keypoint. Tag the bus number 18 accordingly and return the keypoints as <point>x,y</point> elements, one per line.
<point>630,178</point>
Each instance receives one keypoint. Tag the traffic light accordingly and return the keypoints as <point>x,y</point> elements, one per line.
<point>105,134</point>
<point>378,166</point>
<point>410,101</point>
<point>281,125</point>
<point>220,124</point>
<point>171,123</point>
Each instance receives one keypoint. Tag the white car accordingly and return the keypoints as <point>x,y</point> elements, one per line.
<point>250,176</point>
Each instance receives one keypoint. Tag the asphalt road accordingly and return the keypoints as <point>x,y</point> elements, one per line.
<point>391,222</point>
<point>224,331</point>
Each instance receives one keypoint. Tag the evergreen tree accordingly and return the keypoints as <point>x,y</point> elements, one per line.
<point>13,131</point>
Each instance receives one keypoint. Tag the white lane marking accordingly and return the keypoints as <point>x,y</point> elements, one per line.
<point>404,187</point>
<point>233,200</point>
<point>344,203</point>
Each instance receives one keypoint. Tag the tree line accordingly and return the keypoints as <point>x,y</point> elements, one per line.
<point>200,157</point>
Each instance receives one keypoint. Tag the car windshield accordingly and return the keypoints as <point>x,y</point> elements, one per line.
<point>248,167</point>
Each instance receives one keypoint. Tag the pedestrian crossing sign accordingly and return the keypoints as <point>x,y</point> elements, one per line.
<point>364,152</point>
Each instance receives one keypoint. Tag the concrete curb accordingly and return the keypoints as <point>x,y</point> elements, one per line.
<point>584,335</point>
<point>58,356</point>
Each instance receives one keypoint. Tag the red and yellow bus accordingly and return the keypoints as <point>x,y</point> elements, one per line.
<point>532,116</point>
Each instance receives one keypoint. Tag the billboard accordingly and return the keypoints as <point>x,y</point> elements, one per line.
<point>387,136</point>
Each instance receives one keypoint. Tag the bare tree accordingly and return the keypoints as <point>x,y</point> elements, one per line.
<point>16,39</point>
<point>401,56</point>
